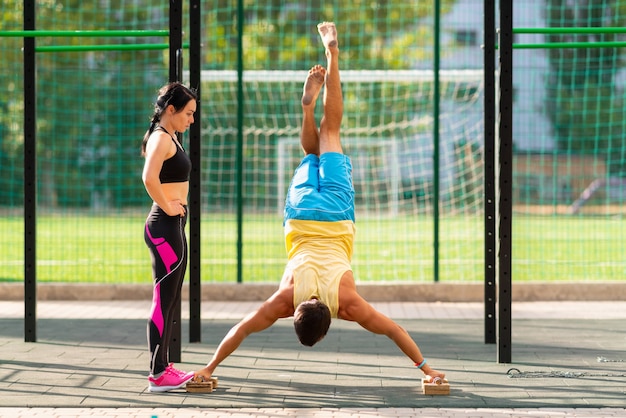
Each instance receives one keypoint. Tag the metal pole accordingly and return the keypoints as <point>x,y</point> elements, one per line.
<point>30,178</point>
<point>505,181</point>
<point>81,33</point>
<point>239,170</point>
<point>577,45</point>
<point>195,193</point>
<point>109,47</point>
<point>436,147</point>
<point>490,246</point>
<point>175,70</point>
<point>570,30</point>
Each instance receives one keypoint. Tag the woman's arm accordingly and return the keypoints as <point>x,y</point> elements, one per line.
<point>158,149</point>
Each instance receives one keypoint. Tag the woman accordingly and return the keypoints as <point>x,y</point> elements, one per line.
<point>166,178</point>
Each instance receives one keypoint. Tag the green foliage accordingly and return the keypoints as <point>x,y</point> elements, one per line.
<point>93,107</point>
<point>584,104</point>
<point>280,35</point>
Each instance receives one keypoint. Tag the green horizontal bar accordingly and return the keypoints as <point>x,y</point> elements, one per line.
<point>81,33</point>
<point>566,30</point>
<point>565,45</point>
<point>110,47</point>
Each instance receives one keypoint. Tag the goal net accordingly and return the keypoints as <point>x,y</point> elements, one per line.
<point>387,131</point>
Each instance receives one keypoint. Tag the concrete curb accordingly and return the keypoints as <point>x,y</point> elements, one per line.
<point>432,292</point>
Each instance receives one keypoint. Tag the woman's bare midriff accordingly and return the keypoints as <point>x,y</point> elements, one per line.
<point>174,191</point>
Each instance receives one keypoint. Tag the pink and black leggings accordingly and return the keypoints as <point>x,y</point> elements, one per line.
<point>165,237</point>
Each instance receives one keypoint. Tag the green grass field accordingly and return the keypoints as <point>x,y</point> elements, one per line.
<point>92,249</point>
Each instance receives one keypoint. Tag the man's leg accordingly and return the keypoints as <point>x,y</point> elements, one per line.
<point>333,100</point>
<point>309,137</point>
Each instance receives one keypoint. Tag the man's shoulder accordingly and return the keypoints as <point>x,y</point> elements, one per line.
<point>284,294</point>
<point>351,303</point>
<point>279,305</point>
<point>347,285</point>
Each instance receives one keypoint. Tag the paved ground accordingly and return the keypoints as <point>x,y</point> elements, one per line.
<point>569,359</point>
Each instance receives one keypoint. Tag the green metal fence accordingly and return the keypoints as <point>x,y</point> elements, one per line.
<point>95,97</point>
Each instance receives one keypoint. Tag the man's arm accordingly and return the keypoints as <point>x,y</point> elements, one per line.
<point>352,307</point>
<point>279,305</point>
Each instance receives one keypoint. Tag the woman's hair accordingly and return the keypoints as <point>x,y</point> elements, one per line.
<point>175,94</point>
<point>311,321</point>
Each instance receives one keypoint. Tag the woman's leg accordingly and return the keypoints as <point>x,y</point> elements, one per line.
<point>165,237</point>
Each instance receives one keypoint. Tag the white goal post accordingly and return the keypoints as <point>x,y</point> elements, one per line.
<point>347,76</point>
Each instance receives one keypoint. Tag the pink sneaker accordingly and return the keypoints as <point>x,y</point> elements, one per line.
<point>181,373</point>
<point>170,379</point>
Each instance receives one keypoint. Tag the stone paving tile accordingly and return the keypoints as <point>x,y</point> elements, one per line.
<point>398,310</point>
<point>91,362</point>
<point>151,412</point>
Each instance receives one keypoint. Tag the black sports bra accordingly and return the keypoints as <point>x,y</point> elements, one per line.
<point>175,169</point>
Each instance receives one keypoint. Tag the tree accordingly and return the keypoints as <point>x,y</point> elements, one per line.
<point>282,35</point>
<point>92,107</point>
<point>584,104</point>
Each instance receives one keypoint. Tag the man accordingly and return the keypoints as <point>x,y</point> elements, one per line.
<point>318,282</point>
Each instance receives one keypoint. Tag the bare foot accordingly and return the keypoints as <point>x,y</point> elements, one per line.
<point>313,85</point>
<point>328,32</point>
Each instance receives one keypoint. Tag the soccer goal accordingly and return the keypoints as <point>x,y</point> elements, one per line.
<point>387,131</point>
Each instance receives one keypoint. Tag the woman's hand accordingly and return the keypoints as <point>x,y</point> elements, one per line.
<point>175,208</point>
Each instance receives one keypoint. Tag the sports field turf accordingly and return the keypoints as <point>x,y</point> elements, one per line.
<point>95,249</point>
